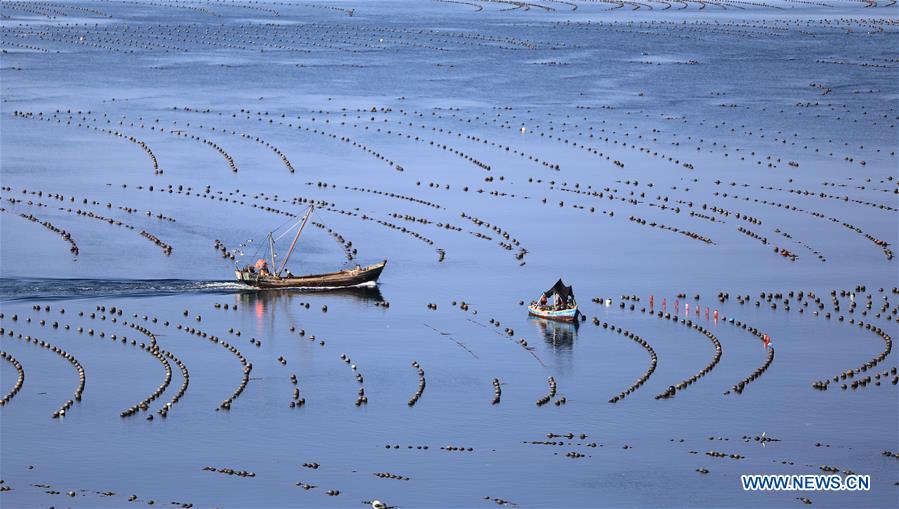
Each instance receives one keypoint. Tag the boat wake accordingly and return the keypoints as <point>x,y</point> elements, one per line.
<point>57,289</point>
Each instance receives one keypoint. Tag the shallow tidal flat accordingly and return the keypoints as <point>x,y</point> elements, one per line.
<point>717,180</point>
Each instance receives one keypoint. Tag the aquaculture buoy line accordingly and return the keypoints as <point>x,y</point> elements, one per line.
<point>653,358</point>
<point>362,398</point>
<point>52,10</point>
<point>740,386</point>
<point>49,489</point>
<point>329,207</point>
<point>161,355</point>
<point>802,299</point>
<point>512,241</point>
<point>686,233</point>
<point>416,138</point>
<point>166,248</point>
<point>65,235</point>
<point>153,349</point>
<point>880,243</point>
<point>70,119</point>
<point>248,114</point>
<point>185,374</point>
<point>469,137</point>
<point>421,384</point>
<point>20,378</point>
<point>84,121</point>
<point>349,251</point>
<point>187,134</point>
<point>79,388</point>
<point>535,130</point>
<point>870,364</point>
<point>431,143</point>
<point>326,185</point>
<point>229,254</point>
<point>230,471</point>
<point>247,366</point>
<point>551,394</point>
<point>296,401</point>
<point>662,203</point>
<point>497,391</point>
<point>62,198</point>
<point>245,136</point>
<point>664,315</point>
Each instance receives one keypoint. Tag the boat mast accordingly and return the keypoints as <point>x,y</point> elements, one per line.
<point>271,244</point>
<point>294,243</point>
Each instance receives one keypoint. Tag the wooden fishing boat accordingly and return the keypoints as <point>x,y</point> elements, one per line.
<point>561,315</point>
<point>340,279</point>
<point>563,307</point>
<point>260,276</point>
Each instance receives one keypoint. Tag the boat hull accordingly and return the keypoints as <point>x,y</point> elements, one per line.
<point>340,279</point>
<point>564,315</point>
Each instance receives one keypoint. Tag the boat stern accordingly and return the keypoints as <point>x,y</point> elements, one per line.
<point>244,276</point>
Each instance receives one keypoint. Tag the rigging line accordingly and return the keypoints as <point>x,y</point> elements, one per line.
<point>258,250</point>
<point>288,230</point>
<point>262,246</point>
<point>256,254</point>
<point>289,219</point>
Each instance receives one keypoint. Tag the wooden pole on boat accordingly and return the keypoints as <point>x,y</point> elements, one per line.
<point>294,243</point>
<point>271,245</point>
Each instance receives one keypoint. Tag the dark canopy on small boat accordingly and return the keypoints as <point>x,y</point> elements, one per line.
<point>564,292</point>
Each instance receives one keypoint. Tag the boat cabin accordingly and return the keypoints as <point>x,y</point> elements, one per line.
<point>557,303</point>
<point>561,297</point>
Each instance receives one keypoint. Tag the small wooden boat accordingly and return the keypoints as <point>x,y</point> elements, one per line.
<point>561,315</point>
<point>260,276</point>
<point>563,307</point>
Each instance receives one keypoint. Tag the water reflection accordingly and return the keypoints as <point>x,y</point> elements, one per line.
<point>558,335</point>
<point>267,305</point>
<point>268,300</point>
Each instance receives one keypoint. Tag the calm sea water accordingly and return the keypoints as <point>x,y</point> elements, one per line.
<point>768,83</point>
